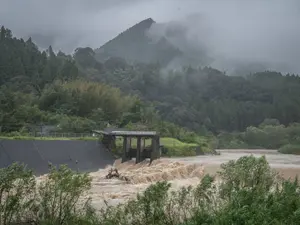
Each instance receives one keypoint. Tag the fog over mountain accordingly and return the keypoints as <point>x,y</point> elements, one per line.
<point>225,34</point>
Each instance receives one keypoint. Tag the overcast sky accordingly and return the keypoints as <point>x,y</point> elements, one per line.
<point>255,30</point>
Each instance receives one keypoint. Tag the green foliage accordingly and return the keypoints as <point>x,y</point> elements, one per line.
<point>59,194</point>
<point>262,109</point>
<point>172,147</point>
<point>290,149</point>
<point>231,141</point>
<point>246,173</point>
<point>269,122</point>
<point>248,192</point>
<point>265,136</point>
<point>268,136</point>
<point>253,195</point>
<point>206,99</point>
<point>179,150</point>
<point>51,91</point>
<point>78,94</point>
<point>149,208</point>
<point>82,98</point>
<point>16,182</point>
<point>54,200</point>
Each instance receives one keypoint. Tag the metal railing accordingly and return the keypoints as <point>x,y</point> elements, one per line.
<point>63,135</point>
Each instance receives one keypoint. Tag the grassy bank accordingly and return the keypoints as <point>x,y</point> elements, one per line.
<point>249,192</point>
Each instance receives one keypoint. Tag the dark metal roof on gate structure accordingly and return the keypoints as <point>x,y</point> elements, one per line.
<point>122,132</point>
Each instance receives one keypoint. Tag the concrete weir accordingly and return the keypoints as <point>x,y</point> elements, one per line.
<point>84,156</point>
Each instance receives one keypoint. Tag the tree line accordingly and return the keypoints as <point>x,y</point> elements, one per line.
<point>40,88</point>
<point>79,93</point>
<point>202,99</point>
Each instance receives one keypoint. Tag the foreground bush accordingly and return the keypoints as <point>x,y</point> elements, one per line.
<point>17,193</point>
<point>249,192</point>
<point>54,201</point>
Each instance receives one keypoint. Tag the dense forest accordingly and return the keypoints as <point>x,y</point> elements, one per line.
<point>201,99</point>
<point>41,88</point>
<point>77,93</point>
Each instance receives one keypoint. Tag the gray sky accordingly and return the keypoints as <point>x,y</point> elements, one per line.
<point>230,30</point>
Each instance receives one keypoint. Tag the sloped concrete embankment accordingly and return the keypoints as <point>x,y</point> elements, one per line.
<point>84,156</point>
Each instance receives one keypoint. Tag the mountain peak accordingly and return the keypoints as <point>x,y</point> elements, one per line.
<point>137,30</point>
<point>147,21</point>
<point>143,25</point>
<point>134,45</point>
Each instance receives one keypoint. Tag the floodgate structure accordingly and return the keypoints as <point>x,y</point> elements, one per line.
<point>141,151</point>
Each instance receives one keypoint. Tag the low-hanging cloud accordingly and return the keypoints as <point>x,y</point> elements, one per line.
<point>239,34</point>
<point>226,33</point>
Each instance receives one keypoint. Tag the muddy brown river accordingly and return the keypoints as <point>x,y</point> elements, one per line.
<point>287,165</point>
<point>178,171</point>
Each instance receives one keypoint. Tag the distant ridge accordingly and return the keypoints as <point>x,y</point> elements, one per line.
<point>134,45</point>
<point>138,29</point>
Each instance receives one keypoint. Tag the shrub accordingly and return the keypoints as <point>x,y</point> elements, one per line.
<point>246,173</point>
<point>268,135</point>
<point>54,201</point>
<point>16,182</point>
<point>290,149</point>
<point>58,196</point>
<point>249,192</point>
<point>253,194</point>
<point>159,206</point>
<point>230,141</point>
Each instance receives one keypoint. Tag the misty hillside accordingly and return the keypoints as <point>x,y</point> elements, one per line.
<point>135,45</point>
<point>176,43</point>
<point>80,93</point>
<point>150,42</point>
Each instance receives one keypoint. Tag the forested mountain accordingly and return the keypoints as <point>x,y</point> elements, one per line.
<point>170,44</point>
<point>22,63</point>
<point>135,45</point>
<point>44,88</point>
<point>80,93</point>
<point>205,98</point>
<point>41,88</point>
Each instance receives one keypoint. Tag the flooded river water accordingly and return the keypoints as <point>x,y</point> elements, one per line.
<point>178,171</point>
<point>287,165</point>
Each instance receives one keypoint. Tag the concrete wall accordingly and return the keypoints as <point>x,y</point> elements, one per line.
<point>84,156</point>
